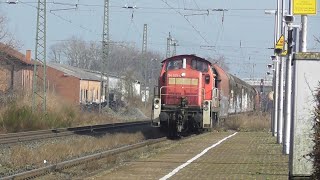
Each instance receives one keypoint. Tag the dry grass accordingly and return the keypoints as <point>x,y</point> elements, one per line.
<point>16,115</point>
<point>146,108</point>
<point>248,122</point>
<point>22,156</point>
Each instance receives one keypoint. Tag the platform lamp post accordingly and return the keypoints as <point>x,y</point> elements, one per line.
<point>276,64</point>
<point>275,85</point>
<point>275,82</point>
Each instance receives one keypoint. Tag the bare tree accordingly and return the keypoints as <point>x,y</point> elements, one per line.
<point>76,52</point>
<point>56,53</point>
<point>122,58</point>
<point>6,37</point>
<point>317,39</point>
<point>220,61</point>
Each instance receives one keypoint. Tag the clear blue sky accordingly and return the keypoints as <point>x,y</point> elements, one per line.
<point>204,35</point>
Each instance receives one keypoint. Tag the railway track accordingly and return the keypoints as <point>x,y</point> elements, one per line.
<point>70,163</point>
<point>12,138</point>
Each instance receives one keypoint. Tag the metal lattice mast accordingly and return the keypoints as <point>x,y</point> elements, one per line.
<point>168,45</point>
<point>144,50</point>
<point>145,38</point>
<point>40,58</point>
<point>175,44</point>
<point>105,47</point>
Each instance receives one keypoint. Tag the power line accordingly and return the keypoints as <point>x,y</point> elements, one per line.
<point>140,7</point>
<point>198,32</point>
<point>63,18</point>
<point>154,8</point>
<point>158,8</point>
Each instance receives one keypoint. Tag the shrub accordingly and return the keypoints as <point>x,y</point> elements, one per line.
<point>316,149</point>
<point>248,122</point>
<point>16,115</point>
<point>21,118</point>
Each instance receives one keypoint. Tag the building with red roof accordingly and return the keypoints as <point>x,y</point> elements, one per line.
<point>16,71</point>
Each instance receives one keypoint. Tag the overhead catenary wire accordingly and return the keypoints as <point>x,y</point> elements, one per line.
<point>153,8</point>
<point>198,32</point>
<point>63,18</point>
<point>162,8</point>
<point>156,8</point>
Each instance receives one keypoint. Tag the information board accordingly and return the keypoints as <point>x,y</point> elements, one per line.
<point>304,7</point>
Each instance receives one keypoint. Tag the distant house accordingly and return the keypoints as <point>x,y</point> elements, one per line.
<point>73,84</point>
<point>82,86</point>
<point>77,85</point>
<point>16,71</point>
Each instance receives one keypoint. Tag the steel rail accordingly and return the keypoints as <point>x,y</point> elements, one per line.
<point>11,138</point>
<point>66,164</point>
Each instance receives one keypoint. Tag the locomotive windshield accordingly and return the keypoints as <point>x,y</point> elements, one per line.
<point>174,64</point>
<point>199,65</point>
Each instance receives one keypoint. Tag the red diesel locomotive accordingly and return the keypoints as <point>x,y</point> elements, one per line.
<point>193,94</point>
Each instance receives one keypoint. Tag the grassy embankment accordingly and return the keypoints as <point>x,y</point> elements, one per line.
<point>26,157</point>
<point>16,115</point>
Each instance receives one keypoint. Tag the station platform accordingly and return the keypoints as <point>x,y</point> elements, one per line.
<point>215,155</point>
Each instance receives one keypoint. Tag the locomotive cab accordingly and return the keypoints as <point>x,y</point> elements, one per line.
<point>186,98</point>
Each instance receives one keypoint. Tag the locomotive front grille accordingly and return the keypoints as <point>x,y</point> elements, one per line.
<point>183,81</point>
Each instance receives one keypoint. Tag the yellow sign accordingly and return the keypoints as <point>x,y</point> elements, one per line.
<point>280,43</point>
<point>304,7</point>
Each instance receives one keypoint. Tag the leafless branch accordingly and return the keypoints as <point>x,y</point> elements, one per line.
<point>316,39</point>
<point>123,58</point>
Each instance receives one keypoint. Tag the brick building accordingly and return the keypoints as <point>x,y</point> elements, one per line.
<point>16,71</point>
<point>73,84</point>
<point>84,86</point>
<point>77,85</point>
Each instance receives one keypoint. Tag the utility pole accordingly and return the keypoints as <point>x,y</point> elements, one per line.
<point>274,77</point>
<point>40,58</point>
<point>303,39</point>
<point>253,68</point>
<point>288,92</point>
<point>276,60</point>
<point>144,50</point>
<point>105,54</point>
<point>174,44</point>
<point>168,45</point>
<point>145,39</point>
<point>281,77</point>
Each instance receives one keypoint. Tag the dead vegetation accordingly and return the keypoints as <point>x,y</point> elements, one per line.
<point>16,115</point>
<point>43,154</point>
<point>255,121</point>
<point>316,149</point>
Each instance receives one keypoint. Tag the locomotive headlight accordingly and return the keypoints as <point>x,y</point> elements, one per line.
<point>156,103</point>
<point>206,106</point>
